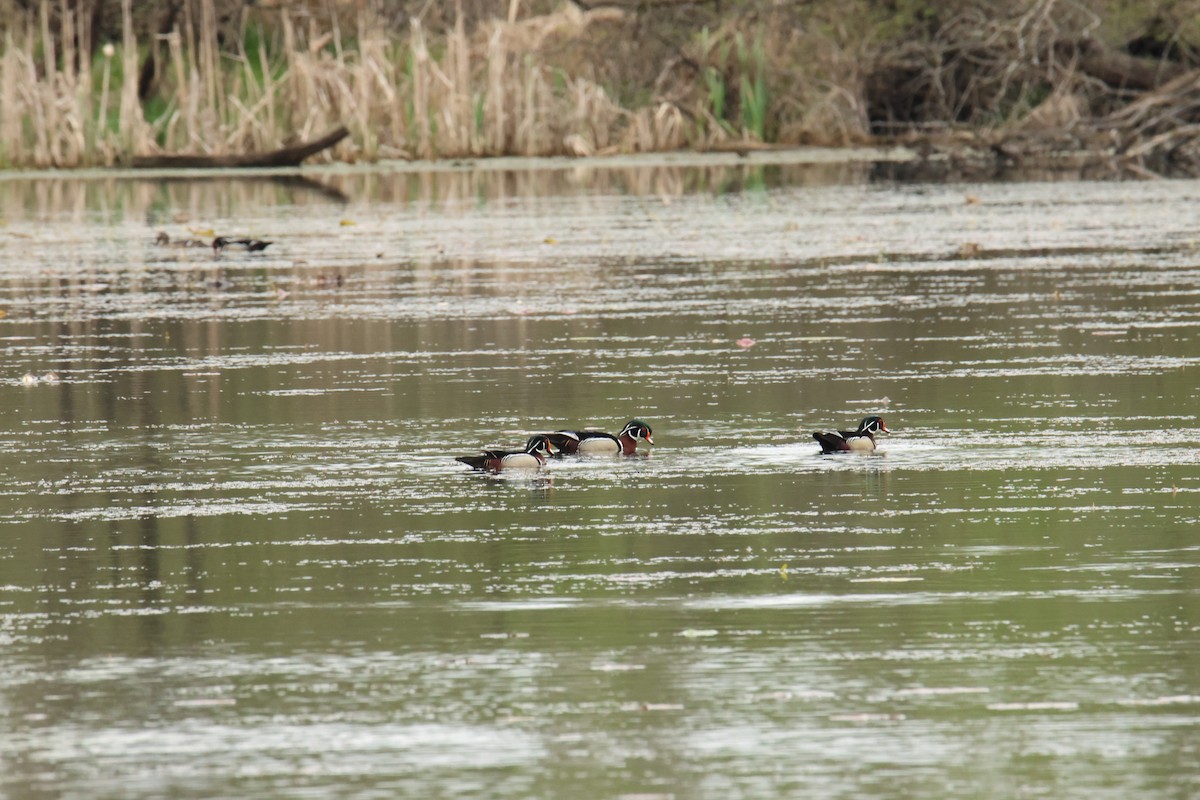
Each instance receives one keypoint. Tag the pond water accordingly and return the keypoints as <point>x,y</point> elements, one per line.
<point>237,557</point>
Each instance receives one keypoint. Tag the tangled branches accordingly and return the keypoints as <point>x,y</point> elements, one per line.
<point>1039,80</point>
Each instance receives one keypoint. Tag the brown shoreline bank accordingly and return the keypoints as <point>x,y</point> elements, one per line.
<point>923,161</point>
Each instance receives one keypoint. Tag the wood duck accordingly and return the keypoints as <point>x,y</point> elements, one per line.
<point>162,240</point>
<point>625,442</point>
<point>532,457</point>
<point>861,440</point>
<point>221,244</point>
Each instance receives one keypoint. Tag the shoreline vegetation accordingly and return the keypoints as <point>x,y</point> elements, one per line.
<point>1103,85</point>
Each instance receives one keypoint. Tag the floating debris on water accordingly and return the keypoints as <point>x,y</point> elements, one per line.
<point>1037,706</point>
<point>611,667</point>
<point>865,718</point>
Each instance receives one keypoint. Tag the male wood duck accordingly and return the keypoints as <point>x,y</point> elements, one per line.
<point>625,442</point>
<point>532,457</point>
<point>163,240</point>
<point>221,244</point>
<point>861,440</point>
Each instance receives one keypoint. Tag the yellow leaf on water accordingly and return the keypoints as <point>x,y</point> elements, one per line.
<point>345,223</point>
<point>550,240</point>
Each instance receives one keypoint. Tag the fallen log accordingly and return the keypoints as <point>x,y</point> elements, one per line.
<point>283,157</point>
<point>1116,69</point>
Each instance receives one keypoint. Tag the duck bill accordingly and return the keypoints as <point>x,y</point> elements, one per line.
<point>884,428</point>
<point>649,440</point>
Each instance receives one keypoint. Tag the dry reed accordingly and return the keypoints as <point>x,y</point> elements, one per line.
<point>479,94</point>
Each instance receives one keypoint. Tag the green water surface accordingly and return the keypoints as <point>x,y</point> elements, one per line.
<point>238,559</point>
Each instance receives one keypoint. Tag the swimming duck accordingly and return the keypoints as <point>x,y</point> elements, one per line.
<point>625,442</point>
<point>162,240</point>
<point>221,244</point>
<point>532,457</point>
<point>861,440</point>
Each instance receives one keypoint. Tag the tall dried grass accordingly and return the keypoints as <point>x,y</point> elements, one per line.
<point>419,95</point>
<point>576,82</point>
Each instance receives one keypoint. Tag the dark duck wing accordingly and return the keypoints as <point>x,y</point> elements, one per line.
<point>565,442</point>
<point>490,460</point>
<point>833,441</point>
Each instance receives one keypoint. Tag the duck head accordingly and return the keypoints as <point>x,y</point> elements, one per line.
<point>872,425</point>
<point>636,429</point>
<point>539,445</point>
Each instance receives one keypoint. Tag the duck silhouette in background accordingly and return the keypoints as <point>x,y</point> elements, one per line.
<point>163,240</point>
<point>223,244</point>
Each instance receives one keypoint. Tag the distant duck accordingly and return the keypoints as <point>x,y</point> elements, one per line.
<point>29,379</point>
<point>861,440</point>
<point>162,240</point>
<point>532,457</point>
<point>221,244</point>
<point>599,442</point>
